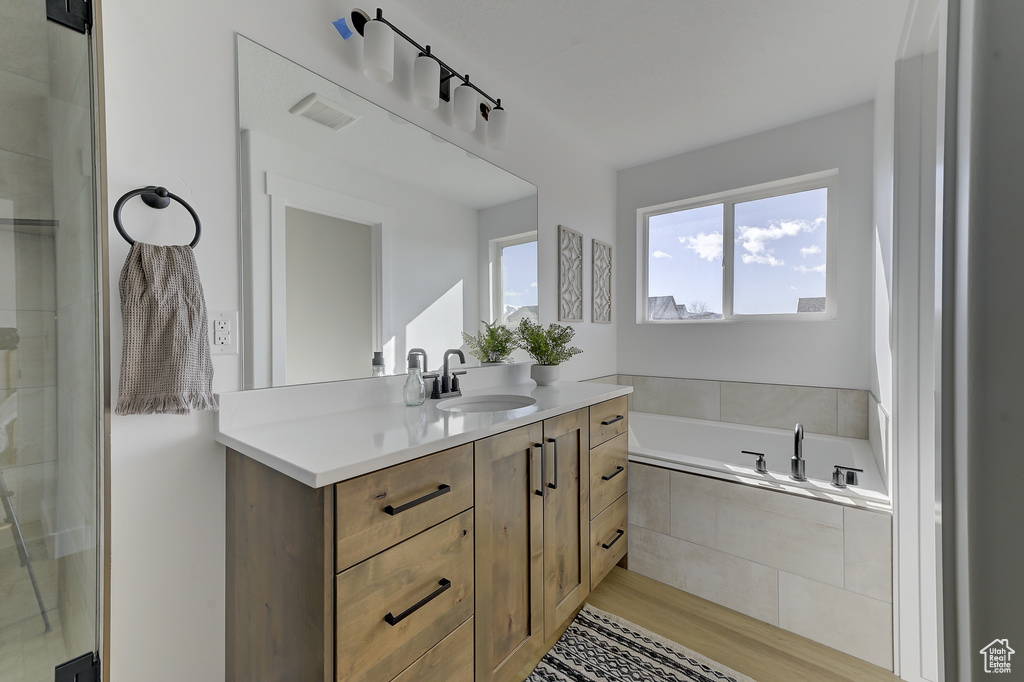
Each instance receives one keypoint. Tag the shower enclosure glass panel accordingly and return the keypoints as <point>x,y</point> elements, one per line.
<point>51,417</point>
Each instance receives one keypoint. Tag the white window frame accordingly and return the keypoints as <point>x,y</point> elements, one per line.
<point>824,179</point>
<point>497,247</point>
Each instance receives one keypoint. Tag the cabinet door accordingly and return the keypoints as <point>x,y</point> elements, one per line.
<point>566,469</point>
<point>509,552</point>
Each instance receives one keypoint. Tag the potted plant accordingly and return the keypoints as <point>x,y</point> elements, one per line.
<point>549,347</point>
<point>493,345</point>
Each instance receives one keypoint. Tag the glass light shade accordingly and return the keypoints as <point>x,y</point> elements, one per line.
<point>378,51</point>
<point>497,128</point>
<point>426,83</point>
<point>464,109</point>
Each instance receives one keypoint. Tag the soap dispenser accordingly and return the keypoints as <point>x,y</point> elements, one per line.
<point>415,391</point>
<point>377,366</point>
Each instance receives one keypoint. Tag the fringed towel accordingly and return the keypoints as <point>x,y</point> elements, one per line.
<point>165,366</point>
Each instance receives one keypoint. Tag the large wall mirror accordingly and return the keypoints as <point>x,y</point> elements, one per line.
<point>362,232</point>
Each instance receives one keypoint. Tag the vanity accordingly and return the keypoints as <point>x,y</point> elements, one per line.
<point>367,540</point>
<point>387,542</point>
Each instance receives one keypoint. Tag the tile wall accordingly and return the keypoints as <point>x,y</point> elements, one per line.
<point>820,570</point>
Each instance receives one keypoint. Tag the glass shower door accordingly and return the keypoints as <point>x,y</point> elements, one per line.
<point>51,416</point>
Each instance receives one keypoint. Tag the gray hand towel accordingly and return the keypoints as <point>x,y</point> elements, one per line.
<point>165,366</point>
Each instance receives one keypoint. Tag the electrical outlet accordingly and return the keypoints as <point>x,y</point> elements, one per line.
<point>224,332</point>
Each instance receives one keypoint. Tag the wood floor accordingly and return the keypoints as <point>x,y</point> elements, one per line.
<point>747,645</point>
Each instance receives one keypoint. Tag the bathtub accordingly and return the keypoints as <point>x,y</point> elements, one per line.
<point>712,448</point>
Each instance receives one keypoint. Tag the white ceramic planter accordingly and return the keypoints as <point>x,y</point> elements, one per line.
<point>544,375</point>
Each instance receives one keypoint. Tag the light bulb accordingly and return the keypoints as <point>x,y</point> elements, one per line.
<point>378,51</point>
<point>497,128</point>
<point>426,82</point>
<point>464,109</point>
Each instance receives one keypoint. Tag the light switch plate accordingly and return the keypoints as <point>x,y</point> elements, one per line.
<point>223,332</point>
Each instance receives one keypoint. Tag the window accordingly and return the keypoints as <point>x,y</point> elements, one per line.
<point>761,252</point>
<point>514,278</point>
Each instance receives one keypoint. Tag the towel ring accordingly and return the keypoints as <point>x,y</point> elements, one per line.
<point>154,197</point>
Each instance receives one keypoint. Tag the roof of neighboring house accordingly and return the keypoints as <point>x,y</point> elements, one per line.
<point>527,311</point>
<point>665,308</point>
<point>811,305</point>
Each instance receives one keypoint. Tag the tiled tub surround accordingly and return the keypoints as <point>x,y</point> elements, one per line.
<point>820,569</point>
<point>848,413</point>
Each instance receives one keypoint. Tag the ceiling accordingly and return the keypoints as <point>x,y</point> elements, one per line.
<point>647,79</point>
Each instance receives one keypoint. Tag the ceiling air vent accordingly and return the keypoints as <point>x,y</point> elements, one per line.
<point>323,111</point>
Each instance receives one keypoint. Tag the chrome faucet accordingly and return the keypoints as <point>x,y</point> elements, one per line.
<point>797,463</point>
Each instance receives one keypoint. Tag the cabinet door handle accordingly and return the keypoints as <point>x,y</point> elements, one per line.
<point>539,490</point>
<point>618,534</point>
<point>618,470</point>
<point>609,422</point>
<point>554,486</point>
<point>395,620</point>
<point>441,490</point>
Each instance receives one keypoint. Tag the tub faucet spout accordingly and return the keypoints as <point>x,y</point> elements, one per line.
<point>797,463</point>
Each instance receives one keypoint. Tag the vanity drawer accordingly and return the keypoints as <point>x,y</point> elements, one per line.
<point>383,508</point>
<point>609,535</point>
<point>608,464</point>
<point>608,419</point>
<point>392,608</point>
<point>450,660</point>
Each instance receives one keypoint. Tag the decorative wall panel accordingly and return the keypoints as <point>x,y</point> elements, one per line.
<point>601,304</point>
<point>570,275</point>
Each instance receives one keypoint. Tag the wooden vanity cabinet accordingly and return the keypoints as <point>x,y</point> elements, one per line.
<point>609,459</point>
<point>566,517</point>
<point>533,535</point>
<point>509,551</point>
<point>478,554</point>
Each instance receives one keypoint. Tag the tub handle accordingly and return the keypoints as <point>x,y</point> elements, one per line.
<point>609,422</point>
<point>539,490</point>
<point>554,486</point>
<point>618,470</point>
<point>618,534</point>
<point>759,465</point>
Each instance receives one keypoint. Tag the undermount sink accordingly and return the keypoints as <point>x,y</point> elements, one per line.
<point>486,403</point>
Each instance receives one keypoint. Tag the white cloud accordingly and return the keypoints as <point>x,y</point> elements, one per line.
<point>804,269</point>
<point>513,293</point>
<point>810,250</point>
<point>661,254</point>
<point>533,285</point>
<point>755,240</point>
<point>706,246</point>
<point>766,259</point>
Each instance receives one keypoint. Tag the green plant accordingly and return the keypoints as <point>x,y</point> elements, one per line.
<point>547,346</point>
<point>494,344</point>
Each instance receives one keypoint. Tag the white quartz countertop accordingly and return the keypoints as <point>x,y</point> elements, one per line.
<point>322,447</point>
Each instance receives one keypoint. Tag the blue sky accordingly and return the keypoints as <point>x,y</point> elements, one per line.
<point>779,253</point>
<point>519,274</point>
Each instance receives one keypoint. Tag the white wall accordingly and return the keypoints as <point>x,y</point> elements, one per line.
<point>833,353</point>
<point>169,100</point>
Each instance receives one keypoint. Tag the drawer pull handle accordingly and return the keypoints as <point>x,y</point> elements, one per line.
<point>618,534</point>
<point>554,486</point>
<point>543,469</point>
<point>441,490</point>
<point>395,620</point>
<point>618,470</point>
<point>609,422</point>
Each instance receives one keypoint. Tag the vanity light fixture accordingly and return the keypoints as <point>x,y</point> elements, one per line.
<point>431,76</point>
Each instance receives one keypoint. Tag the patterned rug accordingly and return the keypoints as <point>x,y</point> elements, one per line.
<point>601,647</point>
